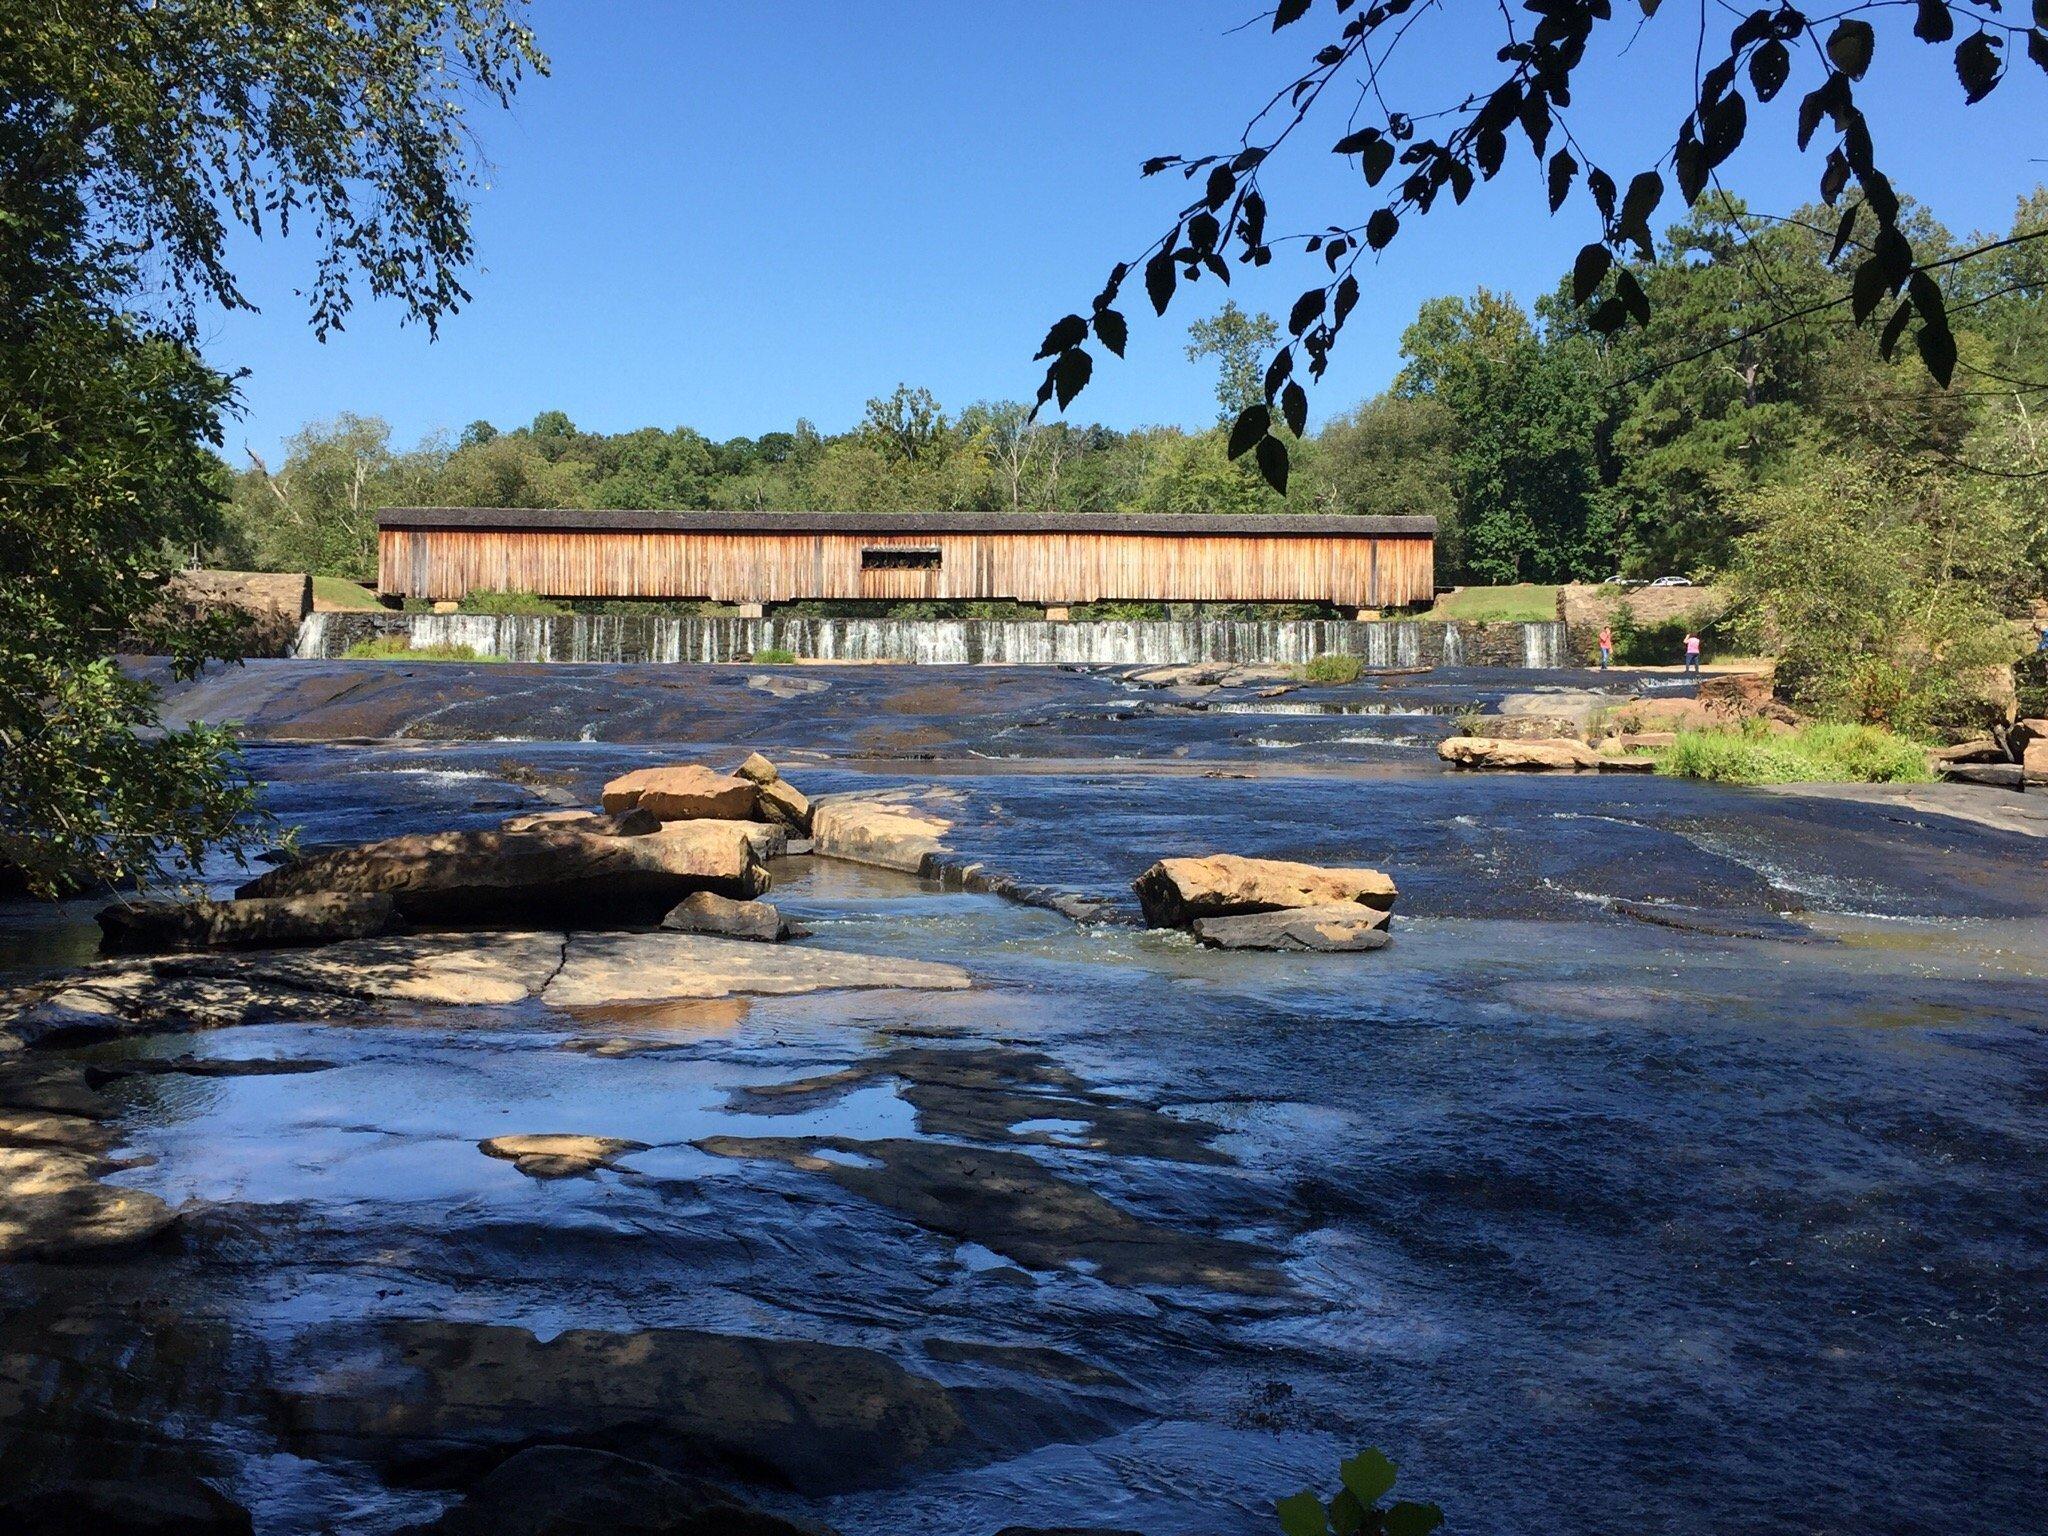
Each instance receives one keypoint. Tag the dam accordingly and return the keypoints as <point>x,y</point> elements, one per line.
<point>942,642</point>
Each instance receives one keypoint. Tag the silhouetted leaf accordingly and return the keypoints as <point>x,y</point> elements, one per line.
<point>1381,228</point>
<point>1376,157</point>
<point>1288,11</point>
<point>1067,331</point>
<point>1591,265</point>
<point>1272,456</point>
<point>1408,1518</point>
<point>1277,370</point>
<point>1354,143</point>
<point>1347,296</point>
<point>1222,182</point>
<point>1301,1514</point>
<point>1562,168</point>
<point>1607,316</point>
<point>2037,45</point>
<point>1977,65</point>
<point>1294,407</point>
<point>1934,24</point>
<point>1834,177</point>
<point>1491,149</point>
<point>1204,232</point>
<point>1725,124</point>
<point>1369,1476</point>
<point>1347,1515</point>
<point>1111,331</point>
<point>1689,162</point>
<point>1769,67</point>
<point>1253,423</point>
<point>1644,193</point>
<point>1159,280</point>
<point>1070,374</point>
<point>1867,288</point>
<point>1306,309</point>
<point>1937,350</point>
<point>1894,328</point>
<point>1844,229</point>
<point>1850,46</point>
<point>1632,297</point>
<point>1601,185</point>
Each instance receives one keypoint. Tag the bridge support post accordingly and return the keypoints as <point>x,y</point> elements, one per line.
<point>1367,615</point>
<point>751,611</point>
<point>1059,614</point>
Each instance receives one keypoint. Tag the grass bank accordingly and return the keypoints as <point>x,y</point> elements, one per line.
<point>340,593</point>
<point>394,648</point>
<point>1852,754</point>
<point>1521,604</point>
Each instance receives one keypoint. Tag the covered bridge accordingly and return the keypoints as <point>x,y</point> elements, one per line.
<point>756,558</point>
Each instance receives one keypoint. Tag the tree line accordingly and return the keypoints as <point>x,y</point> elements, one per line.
<point>1546,450</point>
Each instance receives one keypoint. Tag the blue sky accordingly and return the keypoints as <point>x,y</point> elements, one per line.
<point>731,216</point>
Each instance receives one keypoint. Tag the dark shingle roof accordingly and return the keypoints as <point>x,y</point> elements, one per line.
<point>1212,525</point>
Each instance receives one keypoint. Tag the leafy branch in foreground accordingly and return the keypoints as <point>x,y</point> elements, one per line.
<point>1451,147</point>
<point>1355,1510</point>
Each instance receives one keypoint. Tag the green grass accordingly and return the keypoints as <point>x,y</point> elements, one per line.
<point>338,592</point>
<point>773,656</point>
<point>1815,754</point>
<point>1524,604</point>
<point>394,648</point>
<point>1333,669</point>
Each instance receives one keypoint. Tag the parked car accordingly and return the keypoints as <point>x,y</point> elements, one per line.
<point>1670,581</point>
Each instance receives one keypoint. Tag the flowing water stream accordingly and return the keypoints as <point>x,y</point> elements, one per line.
<point>1677,1168</point>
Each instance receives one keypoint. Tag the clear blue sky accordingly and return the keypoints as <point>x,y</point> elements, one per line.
<point>731,216</point>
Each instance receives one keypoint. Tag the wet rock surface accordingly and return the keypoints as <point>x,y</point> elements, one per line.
<point>1686,1145</point>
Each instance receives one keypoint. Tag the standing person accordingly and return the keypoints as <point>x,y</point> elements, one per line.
<point>1606,646</point>
<point>1692,651</point>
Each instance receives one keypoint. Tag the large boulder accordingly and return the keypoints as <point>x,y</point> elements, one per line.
<point>1556,754</point>
<point>681,793</point>
<point>53,1205</point>
<point>1176,892</point>
<point>155,1503</point>
<point>142,927</point>
<point>776,799</point>
<point>1340,926</point>
<point>893,829</point>
<point>768,839</point>
<point>704,912</point>
<point>575,879</point>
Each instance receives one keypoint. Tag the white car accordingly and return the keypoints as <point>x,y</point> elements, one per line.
<point>1670,581</point>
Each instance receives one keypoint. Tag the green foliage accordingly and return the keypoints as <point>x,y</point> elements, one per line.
<point>1860,754</point>
<point>1355,1509</point>
<point>773,656</point>
<point>1875,586</point>
<point>157,129</point>
<point>1140,613</point>
<point>514,603</point>
<point>1238,342</point>
<point>398,648</point>
<point>1333,669</point>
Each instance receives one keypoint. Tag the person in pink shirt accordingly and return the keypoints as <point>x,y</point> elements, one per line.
<point>1606,646</point>
<point>1692,652</point>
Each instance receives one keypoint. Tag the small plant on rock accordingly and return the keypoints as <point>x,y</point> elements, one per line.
<point>1367,1477</point>
<point>1333,669</point>
<point>772,656</point>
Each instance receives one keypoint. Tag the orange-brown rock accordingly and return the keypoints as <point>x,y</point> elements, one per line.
<point>1176,892</point>
<point>682,792</point>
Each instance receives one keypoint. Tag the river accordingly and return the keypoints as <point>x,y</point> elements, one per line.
<point>1677,1168</point>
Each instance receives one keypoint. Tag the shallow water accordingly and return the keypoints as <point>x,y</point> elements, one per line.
<point>1677,1167</point>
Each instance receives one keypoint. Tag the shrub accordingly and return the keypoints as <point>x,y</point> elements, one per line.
<point>517,604</point>
<point>1135,612</point>
<point>1333,669</point>
<point>1860,754</point>
<point>396,648</point>
<point>773,656</point>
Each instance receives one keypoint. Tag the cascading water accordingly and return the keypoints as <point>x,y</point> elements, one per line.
<point>943,642</point>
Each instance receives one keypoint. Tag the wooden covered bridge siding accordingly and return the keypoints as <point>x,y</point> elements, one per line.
<point>1353,562</point>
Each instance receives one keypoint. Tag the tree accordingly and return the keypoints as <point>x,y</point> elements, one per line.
<point>1238,342</point>
<point>1519,84</point>
<point>132,140</point>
